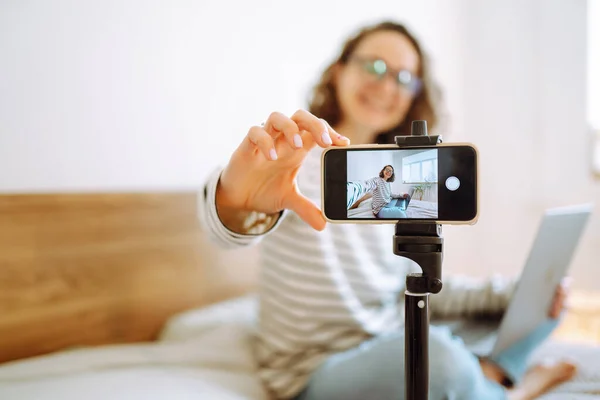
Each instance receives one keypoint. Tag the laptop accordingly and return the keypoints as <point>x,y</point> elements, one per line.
<point>548,262</point>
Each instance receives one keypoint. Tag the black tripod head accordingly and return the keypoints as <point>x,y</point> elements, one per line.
<point>418,136</point>
<point>422,243</point>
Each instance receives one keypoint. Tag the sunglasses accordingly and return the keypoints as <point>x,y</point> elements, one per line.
<point>379,70</point>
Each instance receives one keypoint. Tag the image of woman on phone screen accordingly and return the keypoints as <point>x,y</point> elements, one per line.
<point>385,204</point>
<point>330,296</point>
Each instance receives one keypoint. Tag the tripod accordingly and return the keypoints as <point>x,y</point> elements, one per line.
<point>421,242</point>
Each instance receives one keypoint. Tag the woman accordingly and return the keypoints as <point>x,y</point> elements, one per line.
<point>330,323</point>
<point>385,204</point>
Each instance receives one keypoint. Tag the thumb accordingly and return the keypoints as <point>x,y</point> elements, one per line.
<point>306,210</point>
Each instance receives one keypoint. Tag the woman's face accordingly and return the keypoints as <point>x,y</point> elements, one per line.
<point>369,102</point>
<point>388,172</point>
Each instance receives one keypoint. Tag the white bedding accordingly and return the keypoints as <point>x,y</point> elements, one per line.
<point>416,209</point>
<point>201,354</point>
<point>362,211</point>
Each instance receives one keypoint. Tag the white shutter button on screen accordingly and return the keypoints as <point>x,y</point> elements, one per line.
<point>452,183</point>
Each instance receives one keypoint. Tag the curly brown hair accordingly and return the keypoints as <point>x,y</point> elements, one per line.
<point>425,106</point>
<point>392,178</point>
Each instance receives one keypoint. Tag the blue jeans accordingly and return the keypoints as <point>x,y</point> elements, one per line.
<point>394,209</point>
<point>375,369</point>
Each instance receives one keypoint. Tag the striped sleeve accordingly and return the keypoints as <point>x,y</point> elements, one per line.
<point>370,184</point>
<point>463,296</point>
<point>380,196</point>
<point>211,223</point>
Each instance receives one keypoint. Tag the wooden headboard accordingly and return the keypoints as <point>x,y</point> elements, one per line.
<point>92,269</point>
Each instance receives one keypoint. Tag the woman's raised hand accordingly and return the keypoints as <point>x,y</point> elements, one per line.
<point>261,173</point>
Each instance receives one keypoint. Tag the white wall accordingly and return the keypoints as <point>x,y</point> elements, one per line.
<point>135,95</point>
<point>593,69</point>
<point>363,165</point>
<point>112,95</point>
<point>525,93</point>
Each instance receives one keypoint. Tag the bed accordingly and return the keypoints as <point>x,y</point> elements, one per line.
<point>89,284</point>
<point>202,354</point>
<point>115,296</point>
<point>416,209</point>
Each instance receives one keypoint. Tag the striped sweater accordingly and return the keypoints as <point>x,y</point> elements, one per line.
<point>382,194</point>
<point>326,292</point>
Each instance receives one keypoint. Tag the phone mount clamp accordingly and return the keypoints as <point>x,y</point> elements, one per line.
<point>422,242</point>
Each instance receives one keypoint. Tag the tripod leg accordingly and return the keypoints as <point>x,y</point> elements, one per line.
<point>416,356</point>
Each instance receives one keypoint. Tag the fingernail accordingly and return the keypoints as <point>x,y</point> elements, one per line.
<point>326,138</point>
<point>273,154</point>
<point>297,140</point>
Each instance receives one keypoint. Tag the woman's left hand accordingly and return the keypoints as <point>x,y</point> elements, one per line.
<point>559,303</point>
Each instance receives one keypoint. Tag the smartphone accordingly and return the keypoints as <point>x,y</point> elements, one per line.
<point>388,183</point>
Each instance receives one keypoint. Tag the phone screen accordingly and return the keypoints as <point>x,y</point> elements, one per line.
<point>388,183</point>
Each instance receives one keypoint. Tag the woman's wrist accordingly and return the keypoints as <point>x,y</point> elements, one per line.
<point>243,222</point>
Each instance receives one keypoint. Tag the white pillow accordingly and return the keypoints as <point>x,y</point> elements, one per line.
<point>217,336</point>
<point>240,312</point>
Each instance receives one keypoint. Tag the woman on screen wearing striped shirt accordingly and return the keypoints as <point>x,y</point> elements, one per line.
<point>331,313</point>
<point>386,204</point>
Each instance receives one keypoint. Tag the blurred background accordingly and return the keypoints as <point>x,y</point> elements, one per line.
<point>142,95</point>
